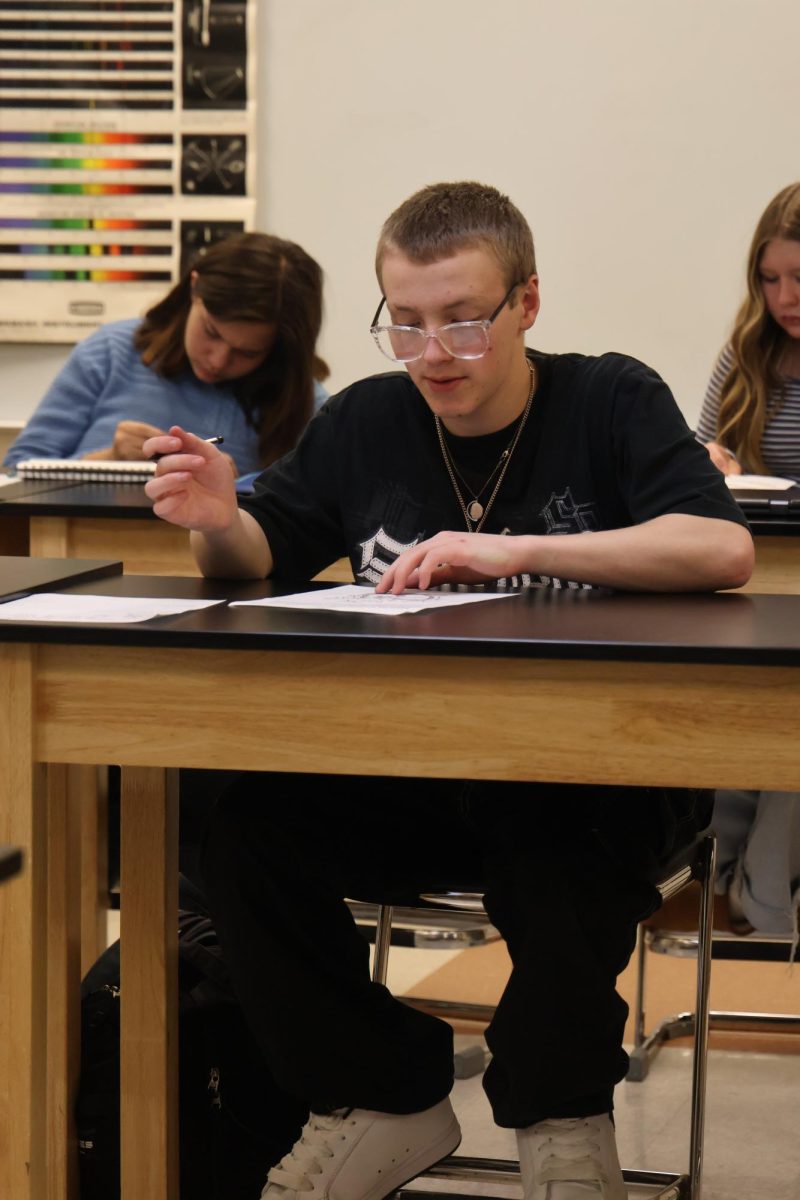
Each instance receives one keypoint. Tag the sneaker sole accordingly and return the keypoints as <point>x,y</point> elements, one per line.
<point>442,1151</point>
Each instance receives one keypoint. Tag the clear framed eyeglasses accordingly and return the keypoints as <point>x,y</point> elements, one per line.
<point>460,339</point>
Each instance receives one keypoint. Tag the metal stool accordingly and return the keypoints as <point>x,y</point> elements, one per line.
<point>459,927</point>
<point>724,946</point>
<point>697,861</point>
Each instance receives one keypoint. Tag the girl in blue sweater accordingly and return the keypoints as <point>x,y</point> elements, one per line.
<point>229,351</point>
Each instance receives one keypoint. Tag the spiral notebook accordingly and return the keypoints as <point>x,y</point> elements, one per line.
<point>85,470</point>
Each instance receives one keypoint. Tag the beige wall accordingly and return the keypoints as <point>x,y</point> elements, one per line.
<point>641,138</point>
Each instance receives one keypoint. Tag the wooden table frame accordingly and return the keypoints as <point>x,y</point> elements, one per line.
<point>154,709</point>
<point>777,569</point>
<point>147,546</point>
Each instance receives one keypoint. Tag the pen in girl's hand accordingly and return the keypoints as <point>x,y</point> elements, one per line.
<point>212,441</point>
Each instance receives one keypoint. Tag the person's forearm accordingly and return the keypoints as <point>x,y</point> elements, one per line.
<point>670,553</point>
<point>104,455</point>
<point>239,552</point>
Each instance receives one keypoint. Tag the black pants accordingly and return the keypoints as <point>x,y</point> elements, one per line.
<point>567,875</point>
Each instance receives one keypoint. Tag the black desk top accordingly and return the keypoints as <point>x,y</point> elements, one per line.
<point>771,513</point>
<point>13,493</point>
<point>70,498</point>
<point>721,628</point>
<point>23,574</point>
<point>63,498</point>
<point>774,526</point>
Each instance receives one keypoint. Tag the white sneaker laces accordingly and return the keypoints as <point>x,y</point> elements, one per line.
<point>309,1155</point>
<point>571,1152</point>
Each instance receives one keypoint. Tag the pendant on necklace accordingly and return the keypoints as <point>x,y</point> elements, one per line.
<point>475,510</point>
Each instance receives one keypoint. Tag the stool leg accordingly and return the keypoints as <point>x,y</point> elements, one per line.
<point>639,1033</point>
<point>700,1061</point>
<point>383,940</point>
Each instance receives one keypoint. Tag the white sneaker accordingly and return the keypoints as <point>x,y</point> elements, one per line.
<point>572,1158</point>
<point>354,1154</point>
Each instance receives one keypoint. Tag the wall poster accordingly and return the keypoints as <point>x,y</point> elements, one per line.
<point>127,143</point>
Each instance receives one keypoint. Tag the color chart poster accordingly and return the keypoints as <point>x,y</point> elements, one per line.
<point>127,145</point>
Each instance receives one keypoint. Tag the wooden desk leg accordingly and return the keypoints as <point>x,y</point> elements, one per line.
<point>63,979</point>
<point>149,983</point>
<point>92,799</point>
<point>23,916</point>
<point>49,537</point>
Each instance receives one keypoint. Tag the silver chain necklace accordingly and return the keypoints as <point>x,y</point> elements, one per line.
<point>475,513</point>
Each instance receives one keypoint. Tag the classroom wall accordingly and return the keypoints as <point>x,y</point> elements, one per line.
<point>642,138</point>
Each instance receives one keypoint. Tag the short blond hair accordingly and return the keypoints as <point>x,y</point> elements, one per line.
<point>443,218</point>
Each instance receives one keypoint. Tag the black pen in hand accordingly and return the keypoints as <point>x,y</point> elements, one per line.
<point>212,441</point>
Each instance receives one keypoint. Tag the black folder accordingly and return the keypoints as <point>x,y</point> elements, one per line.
<point>767,504</point>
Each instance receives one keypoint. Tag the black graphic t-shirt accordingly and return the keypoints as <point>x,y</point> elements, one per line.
<point>605,446</point>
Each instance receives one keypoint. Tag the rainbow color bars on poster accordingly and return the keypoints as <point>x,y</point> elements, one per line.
<point>36,163</point>
<point>25,241</point>
<point>81,223</point>
<point>91,138</point>
<point>127,147</point>
<point>88,276</point>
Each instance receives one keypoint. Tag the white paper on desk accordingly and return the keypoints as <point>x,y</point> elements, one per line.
<point>349,597</point>
<point>5,479</point>
<point>95,610</point>
<point>768,483</point>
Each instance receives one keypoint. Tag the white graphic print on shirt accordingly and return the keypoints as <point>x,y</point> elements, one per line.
<point>562,515</point>
<point>373,563</point>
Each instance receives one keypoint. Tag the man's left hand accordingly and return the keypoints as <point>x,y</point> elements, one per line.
<point>455,558</point>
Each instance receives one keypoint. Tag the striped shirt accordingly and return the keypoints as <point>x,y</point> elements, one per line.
<point>780,444</point>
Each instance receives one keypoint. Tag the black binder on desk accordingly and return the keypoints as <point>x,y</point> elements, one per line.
<point>765,504</point>
<point>19,489</point>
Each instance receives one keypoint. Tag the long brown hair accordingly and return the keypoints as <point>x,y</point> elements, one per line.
<point>251,277</point>
<point>757,343</point>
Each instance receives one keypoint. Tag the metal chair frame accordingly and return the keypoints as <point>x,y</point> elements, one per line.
<point>699,865</point>
<point>683,944</point>
<point>425,928</point>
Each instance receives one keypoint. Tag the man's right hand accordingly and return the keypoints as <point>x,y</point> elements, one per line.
<point>193,485</point>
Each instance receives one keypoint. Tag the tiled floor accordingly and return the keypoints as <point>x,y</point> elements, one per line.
<point>752,1148</point>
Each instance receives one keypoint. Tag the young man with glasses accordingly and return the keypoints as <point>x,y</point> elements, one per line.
<point>480,461</point>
